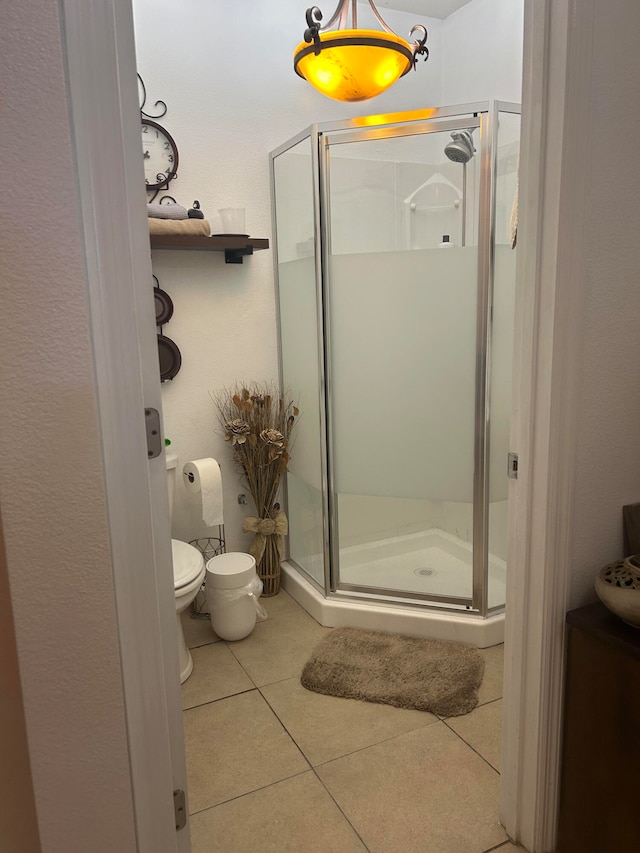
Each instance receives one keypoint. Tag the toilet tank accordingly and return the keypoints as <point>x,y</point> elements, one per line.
<point>172,463</point>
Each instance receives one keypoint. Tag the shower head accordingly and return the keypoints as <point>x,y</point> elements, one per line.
<point>461,148</point>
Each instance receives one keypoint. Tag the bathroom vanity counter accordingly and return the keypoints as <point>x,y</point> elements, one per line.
<point>601,746</point>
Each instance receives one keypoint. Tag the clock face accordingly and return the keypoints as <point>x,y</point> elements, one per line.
<point>160,155</point>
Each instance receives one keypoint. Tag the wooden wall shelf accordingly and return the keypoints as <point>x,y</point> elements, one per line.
<point>234,248</point>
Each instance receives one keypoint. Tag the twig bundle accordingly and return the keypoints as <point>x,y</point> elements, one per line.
<point>258,422</point>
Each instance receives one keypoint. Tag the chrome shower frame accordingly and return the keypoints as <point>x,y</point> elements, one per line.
<point>482,115</point>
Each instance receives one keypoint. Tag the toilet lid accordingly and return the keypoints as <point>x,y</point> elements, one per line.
<point>187,563</point>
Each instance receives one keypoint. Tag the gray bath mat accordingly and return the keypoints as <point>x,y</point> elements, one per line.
<point>408,672</point>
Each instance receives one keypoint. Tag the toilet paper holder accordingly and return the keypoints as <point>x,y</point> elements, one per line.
<point>209,547</point>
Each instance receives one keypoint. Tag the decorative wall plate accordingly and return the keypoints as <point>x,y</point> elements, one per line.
<point>169,357</point>
<point>164,306</point>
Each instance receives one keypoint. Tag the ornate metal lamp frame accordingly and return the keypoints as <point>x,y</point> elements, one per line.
<point>341,16</point>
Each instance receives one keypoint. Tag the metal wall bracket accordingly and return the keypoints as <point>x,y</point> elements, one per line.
<point>154,439</point>
<point>234,256</point>
<point>180,809</point>
<point>512,466</point>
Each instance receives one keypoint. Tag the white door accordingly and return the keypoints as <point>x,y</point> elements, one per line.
<point>99,43</point>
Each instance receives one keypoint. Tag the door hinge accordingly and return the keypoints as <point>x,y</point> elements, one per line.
<point>512,466</point>
<point>180,809</point>
<point>154,439</point>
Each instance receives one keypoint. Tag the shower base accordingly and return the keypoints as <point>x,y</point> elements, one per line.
<point>392,564</point>
<point>432,562</point>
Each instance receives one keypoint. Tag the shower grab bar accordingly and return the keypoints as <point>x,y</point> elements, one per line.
<point>413,206</point>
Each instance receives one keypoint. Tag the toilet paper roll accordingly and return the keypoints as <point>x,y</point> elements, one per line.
<point>202,478</point>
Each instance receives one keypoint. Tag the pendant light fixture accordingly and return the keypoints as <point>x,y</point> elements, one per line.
<point>349,64</point>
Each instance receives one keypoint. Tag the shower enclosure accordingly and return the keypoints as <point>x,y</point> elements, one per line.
<point>395,279</point>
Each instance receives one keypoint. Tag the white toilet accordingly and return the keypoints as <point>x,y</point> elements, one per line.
<point>189,571</point>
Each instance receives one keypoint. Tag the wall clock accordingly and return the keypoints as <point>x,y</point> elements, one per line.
<point>159,149</point>
<point>160,155</point>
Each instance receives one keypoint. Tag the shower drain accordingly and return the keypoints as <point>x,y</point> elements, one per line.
<point>424,572</point>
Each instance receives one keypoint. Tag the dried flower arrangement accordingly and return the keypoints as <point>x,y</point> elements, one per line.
<point>258,423</point>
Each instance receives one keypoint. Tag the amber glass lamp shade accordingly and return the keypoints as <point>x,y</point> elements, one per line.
<point>353,65</point>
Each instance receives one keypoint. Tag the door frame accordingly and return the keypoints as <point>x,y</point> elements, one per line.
<point>98,43</point>
<point>545,384</point>
<point>558,42</point>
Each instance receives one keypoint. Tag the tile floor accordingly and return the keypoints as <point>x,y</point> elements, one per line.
<point>274,767</point>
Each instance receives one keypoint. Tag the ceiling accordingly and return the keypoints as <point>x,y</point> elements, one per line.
<point>429,8</point>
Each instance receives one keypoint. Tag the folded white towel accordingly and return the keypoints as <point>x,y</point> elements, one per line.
<point>167,211</point>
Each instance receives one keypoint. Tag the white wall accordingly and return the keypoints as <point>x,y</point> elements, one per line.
<point>51,481</point>
<point>482,52</point>
<point>608,454</point>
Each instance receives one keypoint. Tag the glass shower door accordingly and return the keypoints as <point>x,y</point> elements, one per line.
<point>400,298</point>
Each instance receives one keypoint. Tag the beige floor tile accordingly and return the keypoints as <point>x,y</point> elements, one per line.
<point>491,687</point>
<point>234,746</point>
<point>295,816</point>
<point>508,848</point>
<point>326,727</point>
<point>280,605</point>
<point>482,730</point>
<point>216,674</point>
<point>278,648</point>
<point>197,632</point>
<point>422,791</point>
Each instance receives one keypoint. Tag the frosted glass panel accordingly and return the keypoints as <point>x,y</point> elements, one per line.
<point>403,359</point>
<point>299,343</point>
<point>403,328</point>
